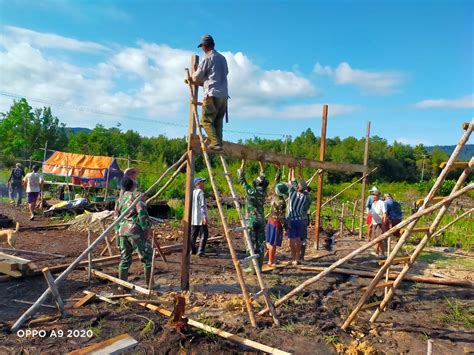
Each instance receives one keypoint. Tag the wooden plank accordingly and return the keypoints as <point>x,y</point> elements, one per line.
<point>116,345</point>
<point>83,300</point>
<point>14,273</point>
<point>100,297</point>
<point>455,165</point>
<point>226,335</point>
<point>240,151</point>
<point>423,229</point>
<point>434,200</point>
<point>30,252</point>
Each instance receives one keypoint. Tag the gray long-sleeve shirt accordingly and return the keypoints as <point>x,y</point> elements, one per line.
<point>213,71</point>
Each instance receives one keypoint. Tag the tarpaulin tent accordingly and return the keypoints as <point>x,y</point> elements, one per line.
<point>82,166</point>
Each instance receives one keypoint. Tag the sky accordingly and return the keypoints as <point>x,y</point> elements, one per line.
<point>405,65</point>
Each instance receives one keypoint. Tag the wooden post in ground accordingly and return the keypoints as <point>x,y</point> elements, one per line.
<point>364,181</point>
<point>354,216</point>
<point>341,225</point>
<point>89,257</point>
<point>185,254</point>
<point>319,192</point>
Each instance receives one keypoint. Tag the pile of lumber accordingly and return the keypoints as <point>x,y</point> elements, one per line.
<point>15,266</point>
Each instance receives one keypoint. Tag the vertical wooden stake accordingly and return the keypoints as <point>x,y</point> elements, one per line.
<point>341,225</point>
<point>354,216</point>
<point>319,192</point>
<point>89,257</point>
<point>151,282</point>
<point>53,288</point>
<point>185,254</point>
<point>364,181</point>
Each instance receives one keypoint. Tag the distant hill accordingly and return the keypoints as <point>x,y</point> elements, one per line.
<point>466,153</point>
<point>76,130</point>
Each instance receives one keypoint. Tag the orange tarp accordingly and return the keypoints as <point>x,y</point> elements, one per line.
<point>79,165</point>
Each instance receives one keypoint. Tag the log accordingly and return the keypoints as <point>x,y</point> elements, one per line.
<point>116,346</point>
<point>393,276</point>
<point>30,252</point>
<point>53,289</point>
<point>240,151</point>
<point>222,333</point>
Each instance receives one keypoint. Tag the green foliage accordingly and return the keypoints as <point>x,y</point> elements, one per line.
<point>457,312</point>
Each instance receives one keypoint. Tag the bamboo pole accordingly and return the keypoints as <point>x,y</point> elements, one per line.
<point>170,180</point>
<point>370,244</point>
<point>190,163</point>
<point>238,269</point>
<point>258,271</point>
<point>440,231</point>
<point>364,181</point>
<point>319,192</point>
<point>53,289</point>
<point>433,226</point>
<point>174,166</point>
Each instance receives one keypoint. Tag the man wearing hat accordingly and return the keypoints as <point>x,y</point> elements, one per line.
<point>212,74</point>
<point>15,184</point>
<point>255,200</point>
<point>276,221</point>
<point>378,212</point>
<point>199,218</point>
<point>368,206</point>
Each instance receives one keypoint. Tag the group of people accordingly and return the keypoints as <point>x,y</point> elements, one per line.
<point>382,214</point>
<point>31,182</point>
<point>285,218</point>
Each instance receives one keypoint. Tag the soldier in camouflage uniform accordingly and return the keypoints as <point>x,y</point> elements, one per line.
<point>276,221</point>
<point>255,200</point>
<point>132,232</point>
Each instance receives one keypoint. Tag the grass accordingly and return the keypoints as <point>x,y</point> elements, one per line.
<point>207,321</point>
<point>331,339</point>
<point>290,327</point>
<point>443,261</point>
<point>457,312</point>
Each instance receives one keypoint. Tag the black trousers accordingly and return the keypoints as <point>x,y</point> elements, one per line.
<point>203,233</point>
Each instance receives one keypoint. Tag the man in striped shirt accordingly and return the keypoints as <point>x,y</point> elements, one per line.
<point>199,218</point>
<point>298,205</point>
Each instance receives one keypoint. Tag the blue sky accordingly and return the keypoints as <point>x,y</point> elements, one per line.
<point>405,65</point>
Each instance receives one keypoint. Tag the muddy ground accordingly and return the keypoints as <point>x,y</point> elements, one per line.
<point>310,322</point>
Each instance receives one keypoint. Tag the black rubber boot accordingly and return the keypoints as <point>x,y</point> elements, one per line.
<point>302,252</point>
<point>123,274</point>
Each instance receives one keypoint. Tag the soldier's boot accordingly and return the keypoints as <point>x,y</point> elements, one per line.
<point>302,252</point>
<point>260,260</point>
<point>148,277</point>
<point>123,274</point>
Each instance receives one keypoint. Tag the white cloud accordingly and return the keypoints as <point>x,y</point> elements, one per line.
<point>413,141</point>
<point>370,81</point>
<point>462,102</point>
<point>51,40</point>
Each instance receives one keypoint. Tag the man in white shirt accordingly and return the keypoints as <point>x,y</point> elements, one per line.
<point>199,218</point>
<point>33,183</point>
<point>379,216</point>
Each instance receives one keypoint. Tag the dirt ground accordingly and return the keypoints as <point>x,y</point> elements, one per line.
<point>310,322</point>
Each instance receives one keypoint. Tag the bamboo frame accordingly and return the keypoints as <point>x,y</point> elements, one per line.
<point>402,240</point>
<point>370,244</point>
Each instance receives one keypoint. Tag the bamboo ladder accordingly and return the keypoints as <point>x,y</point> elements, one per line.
<point>248,298</point>
<point>430,232</point>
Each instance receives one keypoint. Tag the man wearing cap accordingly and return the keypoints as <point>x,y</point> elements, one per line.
<point>394,213</point>
<point>255,200</point>
<point>212,74</point>
<point>199,218</point>
<point>276,221</point>
<point>379,219</point>
<point>15,184</point>
<point>297,209</point>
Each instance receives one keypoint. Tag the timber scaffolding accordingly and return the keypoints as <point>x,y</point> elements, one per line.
<point>195,146</point>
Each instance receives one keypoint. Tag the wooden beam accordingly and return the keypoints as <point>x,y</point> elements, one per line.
<point>381,285</point>
<point>222,333</point>
<point>53,288</point>
<point>455,165</point>
<point>120,282</point>
<point>190,163</point>
<point>370,305</point>
<point>116,345</point>
<point>30,252</point>
<point>319,191</point>
<point>83,300</point>
<point>364,181</point>
<point>240,151</point>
